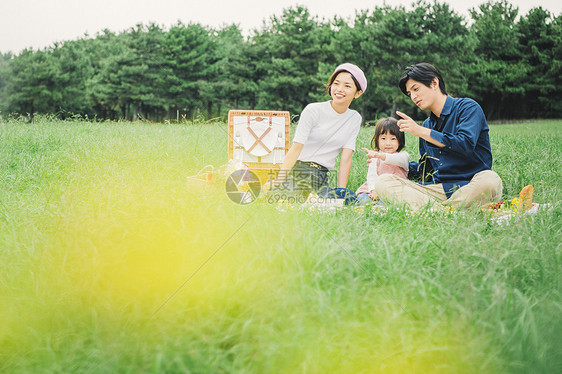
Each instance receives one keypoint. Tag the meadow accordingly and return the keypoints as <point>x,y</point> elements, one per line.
<point>112,261</point>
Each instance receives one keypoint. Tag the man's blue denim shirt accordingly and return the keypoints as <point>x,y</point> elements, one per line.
<point>463,129</point>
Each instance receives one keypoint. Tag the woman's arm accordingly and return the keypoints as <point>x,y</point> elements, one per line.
<point>290,160</point>
<point>345,167</point>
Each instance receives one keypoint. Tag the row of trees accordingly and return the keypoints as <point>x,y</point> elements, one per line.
<point>511,64</point>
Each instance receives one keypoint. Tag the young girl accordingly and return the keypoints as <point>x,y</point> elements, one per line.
<point>386,157</point>
<point>325,130</point>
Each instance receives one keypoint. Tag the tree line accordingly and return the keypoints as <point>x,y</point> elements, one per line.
<point>510,63</point>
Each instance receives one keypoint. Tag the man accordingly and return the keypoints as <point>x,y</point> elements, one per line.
<point>456,158</point>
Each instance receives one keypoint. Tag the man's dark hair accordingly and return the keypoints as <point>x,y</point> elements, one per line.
<point>423,73</point>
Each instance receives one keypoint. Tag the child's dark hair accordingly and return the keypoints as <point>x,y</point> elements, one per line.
<point>389,125</point>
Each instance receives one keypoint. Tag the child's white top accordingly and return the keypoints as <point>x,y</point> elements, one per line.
<point>395,163</point>
<point>325,132</point>
<point>401,159</point>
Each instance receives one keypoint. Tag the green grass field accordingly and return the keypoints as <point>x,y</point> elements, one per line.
<point>112,262</point>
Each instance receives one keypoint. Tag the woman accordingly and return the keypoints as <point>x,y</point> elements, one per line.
<point>325,130</point>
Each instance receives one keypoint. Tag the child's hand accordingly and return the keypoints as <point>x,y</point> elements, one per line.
<point>374,154</point>
<point>373,195</point>
<point>370,153</point>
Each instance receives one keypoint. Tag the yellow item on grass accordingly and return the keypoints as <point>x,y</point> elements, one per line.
<point>526,198</point>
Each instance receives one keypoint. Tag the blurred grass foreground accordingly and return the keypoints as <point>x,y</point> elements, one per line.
<point>112,262</point>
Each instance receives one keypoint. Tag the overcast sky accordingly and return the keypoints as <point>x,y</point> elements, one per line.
<point>40,23</point>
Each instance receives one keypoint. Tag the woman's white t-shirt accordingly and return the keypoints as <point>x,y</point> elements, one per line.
<point>325,132</point>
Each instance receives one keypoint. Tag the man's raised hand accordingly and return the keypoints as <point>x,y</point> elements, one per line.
<point>407,124</point>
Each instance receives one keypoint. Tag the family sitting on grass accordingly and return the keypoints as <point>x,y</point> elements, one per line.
<point>456,158</point>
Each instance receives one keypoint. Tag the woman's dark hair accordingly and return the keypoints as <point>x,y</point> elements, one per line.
<point>333,78</point>
<point>424,73</point>
<point>390,125</point>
